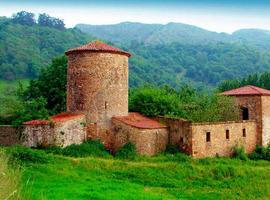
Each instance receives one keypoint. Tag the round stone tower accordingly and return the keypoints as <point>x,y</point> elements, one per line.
<point>97,83</point>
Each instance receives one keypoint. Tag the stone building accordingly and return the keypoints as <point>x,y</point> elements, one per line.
<point>97,85</point>
<point>97,108</point>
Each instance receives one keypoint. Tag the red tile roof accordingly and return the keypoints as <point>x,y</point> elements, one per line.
<point>139,121</point>
<point>247,90</point>
<point>37,122</point>
<point>55,118</point>
<point>98,46</point>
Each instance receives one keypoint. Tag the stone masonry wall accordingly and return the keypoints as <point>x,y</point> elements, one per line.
<point>254,105</point>
<point>9,135</point>
<point>70,132</point>
<point>265,120</point>
<point>98,86</point>
<point>179,133</point>
<point>218,144</point>
<point>60,133</point>
<point>147,141</point>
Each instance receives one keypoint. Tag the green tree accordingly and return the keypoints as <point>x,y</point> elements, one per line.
<point>50,85</point>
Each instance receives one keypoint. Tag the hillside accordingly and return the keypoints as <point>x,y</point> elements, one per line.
<point>170,54</point>
<point>24,50</point>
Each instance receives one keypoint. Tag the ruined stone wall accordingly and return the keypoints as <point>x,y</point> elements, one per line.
<point>218,144</point>
<point>60,133</point>
<point>9,135</point>
<point>265,120</point>
<point>254,104</point>
<point>179,133</point>
<point>70,132</point>
<point>38,135</point>
<point>147,141</point>
<point>97,85</point>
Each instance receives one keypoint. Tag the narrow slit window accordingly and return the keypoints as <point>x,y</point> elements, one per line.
<point>227,134</point>
<point>106,105</point>
<point>208,136</point>
<point>244,132</point>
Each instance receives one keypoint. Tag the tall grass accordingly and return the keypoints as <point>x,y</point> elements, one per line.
<point>9,180</point>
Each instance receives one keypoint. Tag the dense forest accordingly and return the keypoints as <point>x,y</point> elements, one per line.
<point>173,54</point>
<point>27,45</point>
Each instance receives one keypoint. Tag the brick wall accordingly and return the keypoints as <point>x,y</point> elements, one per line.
<point>9,135</point>
<point>265,120</point>
<point>147,141</point>
<point>218,143</point>
<point>179,133</point>
<point>254,105</point>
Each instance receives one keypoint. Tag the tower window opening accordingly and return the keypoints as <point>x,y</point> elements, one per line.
<point>244,132</point>
<point>245,113</point>
<point>227,134</point>
<point>208,136</point>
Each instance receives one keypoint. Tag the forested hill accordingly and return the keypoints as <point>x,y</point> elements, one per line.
<point>128,32</point>
<point>176,53</point>
<point>162,54</point>
<point>26,48</point>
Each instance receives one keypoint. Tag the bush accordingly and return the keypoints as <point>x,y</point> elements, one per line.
<point>261,153</point>
<point>220,172</point>
<point>89,148</point>
<point>172,149</point>
<point>128,151</point>
<point>26,155</point>
<point>239,153</point>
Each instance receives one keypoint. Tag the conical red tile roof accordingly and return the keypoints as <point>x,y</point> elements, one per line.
<point>98,46</point>
<point>247,90</point>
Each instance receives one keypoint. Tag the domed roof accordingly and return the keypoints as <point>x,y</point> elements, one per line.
<point>98,46</point>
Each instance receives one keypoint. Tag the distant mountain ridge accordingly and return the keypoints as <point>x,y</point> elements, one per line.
<point>127,32</point>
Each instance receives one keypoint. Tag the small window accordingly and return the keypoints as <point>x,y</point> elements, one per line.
<point>245,113</point>
<point>208,136</point>
<point>244,132</point>
<point>181,140</point>
<point>227,134</point>
<point>106,105</point>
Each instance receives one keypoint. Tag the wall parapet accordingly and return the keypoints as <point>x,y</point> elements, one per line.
<point>221,122</point>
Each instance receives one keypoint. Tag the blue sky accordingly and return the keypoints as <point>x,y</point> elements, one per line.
<point>215,15</point>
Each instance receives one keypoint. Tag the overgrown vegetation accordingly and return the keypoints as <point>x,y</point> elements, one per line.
<point>239,153</point>
<point>10,180</point>
<point>128,151</point>
<point>184,103</point>
<point>88,148</point>
<point>161,177</point>
<point>25,155</point>
<point>261,153</point>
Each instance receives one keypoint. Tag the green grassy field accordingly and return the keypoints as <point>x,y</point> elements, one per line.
<point>160,177</point>
<point>11,85</point>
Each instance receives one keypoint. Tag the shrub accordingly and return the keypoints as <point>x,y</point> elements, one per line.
<point>261,153</point>
<point>26,155</point>
<point>128,151</point>
<point>88,148</point>
<point>172,149</point>
<point>220,172</point>
<point>239,153</point>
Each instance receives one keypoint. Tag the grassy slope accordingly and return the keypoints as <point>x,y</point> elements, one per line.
<point>161,177</point>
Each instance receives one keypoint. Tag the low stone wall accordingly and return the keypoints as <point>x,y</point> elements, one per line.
<point>9,135</point>
<point>147,141</point>
<point>179,133</point>
<point>61,133</point>
<point>222,137</point>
